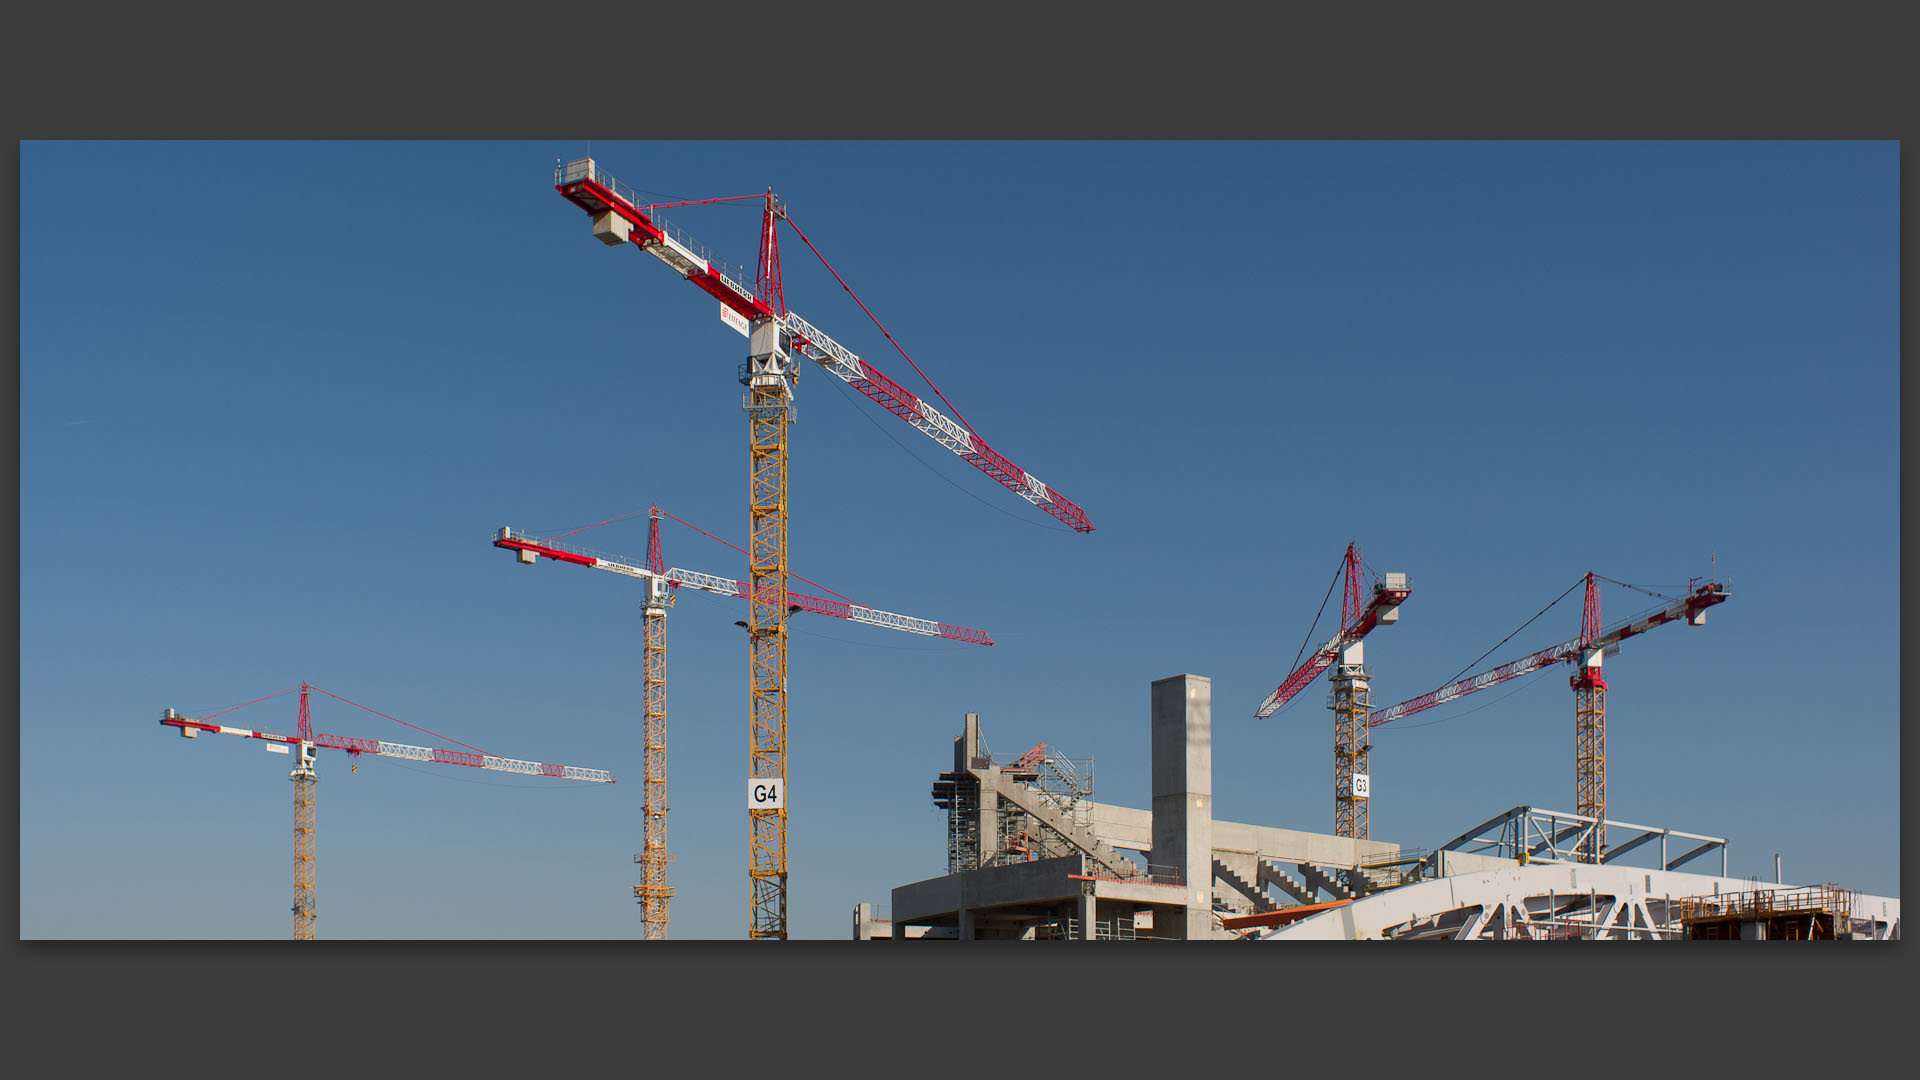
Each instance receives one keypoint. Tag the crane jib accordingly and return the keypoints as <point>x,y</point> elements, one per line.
<point>675,577</point>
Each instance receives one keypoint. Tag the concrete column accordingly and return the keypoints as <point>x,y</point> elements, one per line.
<point>1182,717</point>
<point>899,931</point>
<point>989,825</point>
<point>862,921</point>
<point>1089,906</point>
<point>966,749</point>
<point>967,746</point>
<point>966,924</point>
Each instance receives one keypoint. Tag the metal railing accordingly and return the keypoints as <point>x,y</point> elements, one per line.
<point>571,549</point>
<point>1392,869</point>
<point>587,169</point>
<point>1161,874</point>
<point>1768,903</point>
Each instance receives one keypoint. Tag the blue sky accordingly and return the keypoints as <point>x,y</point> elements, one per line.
<point>275,398</point>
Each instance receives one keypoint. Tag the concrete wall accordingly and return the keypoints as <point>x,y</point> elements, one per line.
<point>1125,827</point>
<point>1466,862</point>
<point>1013,883</point>
<point>1293,845</point>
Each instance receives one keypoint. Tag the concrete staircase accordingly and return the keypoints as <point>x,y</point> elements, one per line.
<point>1261,903</point>
<point>1270,873</point>
<point>1318,879</point>
<point>1039,809</point>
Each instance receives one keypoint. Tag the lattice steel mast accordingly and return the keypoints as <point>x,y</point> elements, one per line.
<point>653,893</point>
<point>769,412</point>
<point>304,777</point>
<point>1590,728</point>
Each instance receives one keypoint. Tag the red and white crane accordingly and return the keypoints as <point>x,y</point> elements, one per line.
<point>305,744</point>
<point>1586,653</point>
<point>1351,682</point>
<point>653,893</point>
<point>775,336</point>
<point>531,547</point>
<point>620,217</point>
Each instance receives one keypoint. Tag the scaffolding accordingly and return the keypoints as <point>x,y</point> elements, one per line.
<point>1804,913</point>
<point>959,795</point>
<point>1067,928</point>
<point>1065,785</point>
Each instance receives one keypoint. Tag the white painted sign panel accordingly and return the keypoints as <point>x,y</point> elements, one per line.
<point>766,793</point>
<point>734,319</point>
<point>277,748</point>
<point>1360,785</point>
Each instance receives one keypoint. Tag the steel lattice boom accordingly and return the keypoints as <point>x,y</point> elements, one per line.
<point>514,540</point>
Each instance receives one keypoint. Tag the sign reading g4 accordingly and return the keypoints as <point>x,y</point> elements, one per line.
<point>766,793</point>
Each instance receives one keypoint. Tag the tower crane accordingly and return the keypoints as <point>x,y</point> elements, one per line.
<point>775,337</point>
<point>1585,653</point>
<point>306,744</point>
<point>653,893</point>
<point>1351,687</point>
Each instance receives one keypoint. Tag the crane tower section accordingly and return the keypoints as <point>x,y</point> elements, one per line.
<point>654,894</point>
<point>769,413</point>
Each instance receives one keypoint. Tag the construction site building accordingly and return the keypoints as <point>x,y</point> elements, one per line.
<point>1031,856</point>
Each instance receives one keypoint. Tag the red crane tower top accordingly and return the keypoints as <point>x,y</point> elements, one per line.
<point>1357,620</point>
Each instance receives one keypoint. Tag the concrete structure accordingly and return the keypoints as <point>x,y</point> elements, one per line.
<point>1036,860</point>
<point>1031,856</point>
<point>1182,818</point>
<point>869,927</point>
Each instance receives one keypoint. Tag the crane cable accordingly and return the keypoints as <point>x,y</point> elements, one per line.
<point>702,532</point>
<point>866,414</point>
<point>876,322</point>
<point>396,720</point>
<point>1638,588</point>
<point>244,704</point>
<point>744,551</point>
<point>1322,611</point>
<point>1523,626</point>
